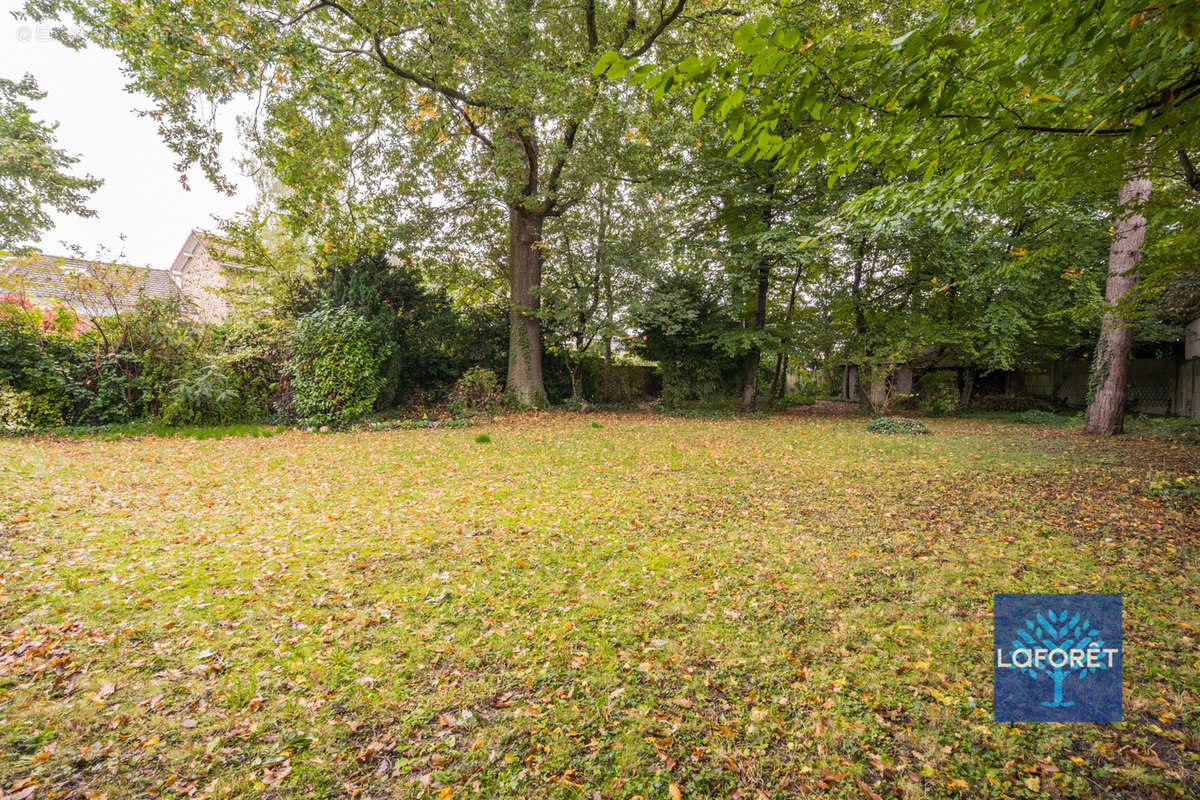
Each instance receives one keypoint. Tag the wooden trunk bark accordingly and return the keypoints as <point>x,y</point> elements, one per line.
<point>968,388</point>
<point>781,362</point>
<point>1106,407</point>
<point>750,365</point>
<point>525,385</point>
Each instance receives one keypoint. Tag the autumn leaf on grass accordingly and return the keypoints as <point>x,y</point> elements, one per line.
<point>675,792</point>
<point>867,791</point>
<point>275,775</point>
<point>384,744</point>
<point>104,692</point>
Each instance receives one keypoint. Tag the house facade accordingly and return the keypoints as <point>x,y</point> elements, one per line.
<point>201,273</point>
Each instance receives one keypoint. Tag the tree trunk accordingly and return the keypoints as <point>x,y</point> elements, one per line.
<point>525,386</point>
<point>968,387</point>
<point>1106,407</point>
<point>860,329</point>
<point>778,390</point>
<point>750,366</point>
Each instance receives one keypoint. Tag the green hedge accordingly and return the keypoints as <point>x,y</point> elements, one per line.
<point>619,384</point>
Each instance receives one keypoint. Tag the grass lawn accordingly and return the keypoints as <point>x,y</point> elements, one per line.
<point>597,606</point>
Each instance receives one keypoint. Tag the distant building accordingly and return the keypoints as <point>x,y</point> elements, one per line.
<point>99,288</point>
<point>200,272</point>
<point>90,288</point>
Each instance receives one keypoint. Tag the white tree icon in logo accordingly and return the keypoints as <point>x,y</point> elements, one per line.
<point>1051,637</point>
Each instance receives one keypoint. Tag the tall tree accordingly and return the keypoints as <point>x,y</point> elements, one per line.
<point>1106,412</point>
<point>496,99</point>
<point>978,97</point>
<point>34,177</point>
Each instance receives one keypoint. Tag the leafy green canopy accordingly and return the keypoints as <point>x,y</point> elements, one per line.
<point>368,111</point>
<point>1028,101</point>
<point>965,87</point>
<point>33,172</point>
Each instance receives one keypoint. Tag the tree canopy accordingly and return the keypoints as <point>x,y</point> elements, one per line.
<point>35,175</point>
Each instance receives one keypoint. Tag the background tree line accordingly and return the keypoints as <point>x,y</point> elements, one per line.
<point>733,192</point>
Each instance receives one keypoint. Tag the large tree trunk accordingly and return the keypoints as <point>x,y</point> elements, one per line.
<point>750,365</point>
<point>525,386</point>
<point>1106,408</point>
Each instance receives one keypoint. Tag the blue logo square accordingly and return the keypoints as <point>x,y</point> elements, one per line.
<point>1056,658</point>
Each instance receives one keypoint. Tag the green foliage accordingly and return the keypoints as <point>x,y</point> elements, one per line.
<point>618,384</point>
<point>1176,490</point>
<point>204,397</point>
<point>1012,402</point>
<point>483,438</point>
<point>420,424</point>
<point>17,411</point>
<point>335,366</point>
<point>682,322</point>
<point>938,392</point>
<point>477,392</point>
<point>417,322</point>
<point>33,172</point>
<point>252,353</point>
<point>900,426</point>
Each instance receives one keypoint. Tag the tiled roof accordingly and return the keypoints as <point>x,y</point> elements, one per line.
<point>86,285</point>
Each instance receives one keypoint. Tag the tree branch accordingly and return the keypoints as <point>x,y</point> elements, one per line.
<point>1189,170</point>
<point>664,21</point>
<point>430,83</point>
<point>589,21</point>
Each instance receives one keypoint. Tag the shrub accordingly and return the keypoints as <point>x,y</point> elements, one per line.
<point>682,322</point>
<point>252,355</point>
<point>623,384</point>
<point>476,392</point>
<point>1012,402</point>
<point>483,438</point>
<point>938,392</point>
<point>1177,491</point>
<point>417,321</point>
<point>15,410</point>
<point>112,389</point>
<point>900,426</point>
<point>334,366</point>
<point>204,397</point>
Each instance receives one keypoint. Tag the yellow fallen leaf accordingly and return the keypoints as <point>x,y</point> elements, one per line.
<point>445,793</point>
<point>675,792</point>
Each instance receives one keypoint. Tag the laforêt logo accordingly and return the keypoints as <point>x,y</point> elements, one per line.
<point>1057,658</point>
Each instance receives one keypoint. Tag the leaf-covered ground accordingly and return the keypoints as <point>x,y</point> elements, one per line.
<point>583,607</point>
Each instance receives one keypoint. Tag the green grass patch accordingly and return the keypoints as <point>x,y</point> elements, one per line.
<point>781,607</point>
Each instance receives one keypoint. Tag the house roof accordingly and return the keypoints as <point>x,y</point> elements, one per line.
<point>84,283</point>
<point>218,246</point>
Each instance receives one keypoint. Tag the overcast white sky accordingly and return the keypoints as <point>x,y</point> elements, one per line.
<point>141,196</point>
